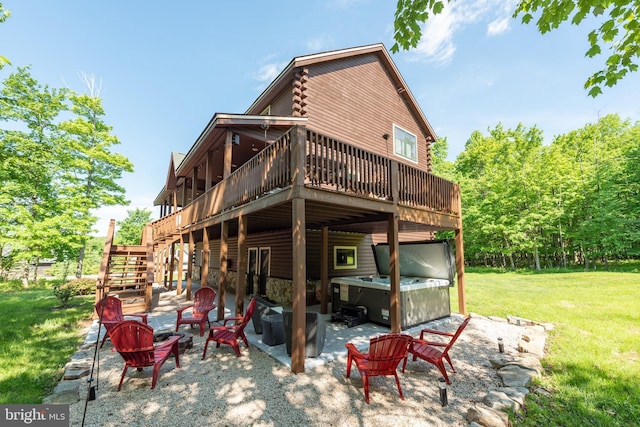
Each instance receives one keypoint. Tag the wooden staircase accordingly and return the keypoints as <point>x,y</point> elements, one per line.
<point>126,272</point>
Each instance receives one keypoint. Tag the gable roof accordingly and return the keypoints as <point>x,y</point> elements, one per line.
<point>286,76</point>
<point>170,181</point>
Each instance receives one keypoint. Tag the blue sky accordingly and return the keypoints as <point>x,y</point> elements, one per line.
<point>166,67</point>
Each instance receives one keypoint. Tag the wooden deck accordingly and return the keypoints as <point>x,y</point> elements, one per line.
<point>330,166</point>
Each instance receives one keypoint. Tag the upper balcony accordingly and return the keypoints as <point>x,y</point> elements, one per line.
<point>323,170</point>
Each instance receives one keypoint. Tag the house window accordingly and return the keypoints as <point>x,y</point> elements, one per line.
<point>405,144</point>
<point>266,111</point>
<point>345,257</point>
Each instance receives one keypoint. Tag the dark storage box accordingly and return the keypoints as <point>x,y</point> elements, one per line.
<point>263,307</point>
<point>272,329</point>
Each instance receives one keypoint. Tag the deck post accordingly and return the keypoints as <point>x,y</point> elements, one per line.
<point>172,263</point>
<point>192,247</point>
<point>165,264</point>
<point>156,263</point>
<point>241,282</point>
<point>148,243</point>
<point>462,295</point>
<point>204,275</point>
<point>228,154</point>
<point>324,269</point>
<point>222,277</point>
<point>299,246</point>
<point>194,184</point>
<point>208,171</point>
<point>180,265</point>
<point>394,272</point>
<point>299,285</point>
<point>394,181</point>
<point>174,196</point>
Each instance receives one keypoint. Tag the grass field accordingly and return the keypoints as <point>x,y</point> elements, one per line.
<point>592,366</point>
<point>37,337</point>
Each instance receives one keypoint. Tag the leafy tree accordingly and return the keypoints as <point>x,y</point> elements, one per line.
<point>29,168</point>
<point>600,188</point>
<point>619,31</point>
<point>439,164</point>
<point>90,167</point>
<point>504,210</point>
<point>130,228</point>
<point>53,173</point>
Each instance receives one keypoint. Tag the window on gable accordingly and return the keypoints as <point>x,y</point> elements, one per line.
<point>266,111</point>
<point>405,144</point>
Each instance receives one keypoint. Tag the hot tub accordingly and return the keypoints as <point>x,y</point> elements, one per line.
<point>426,274</point>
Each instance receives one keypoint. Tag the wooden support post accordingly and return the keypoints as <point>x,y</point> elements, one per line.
<point>148,242</point>
<point>180,265</point>
<point>156,264</point>
<point>394,181</point>
<point>204,279</point>
<point>208,171</point>
<point>192,247</point>
<point>394,273</point>
<point>174,196</point>
<point>222,277</point>
<point>324,269</point>
<point>194,184</point>
<point>172,263</point>
<point>462,294</point>
<point>241,280</point>
<point>165,266</point>
<point>299,285</point>
<point>228,154</point>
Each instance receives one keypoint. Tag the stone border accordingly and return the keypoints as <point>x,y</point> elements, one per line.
<point>516,372</point>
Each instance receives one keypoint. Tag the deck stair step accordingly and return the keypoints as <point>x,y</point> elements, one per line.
<point>127,273</point>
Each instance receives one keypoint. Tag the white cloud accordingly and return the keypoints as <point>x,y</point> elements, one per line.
<point>498,26</point>
<point>268,72</point>
<point>345,4</point>
<point>319,44</point>
<point>438,37</point>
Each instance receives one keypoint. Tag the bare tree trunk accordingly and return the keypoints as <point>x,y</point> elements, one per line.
<point>536,257</point>
<point>80,260</point>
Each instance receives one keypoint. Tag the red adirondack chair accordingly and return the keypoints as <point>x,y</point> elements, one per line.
<point>385,353</point>
<point>109,309</point>
<point>203,303</point>
<point>435,352</point>
<point>229,334</point>
<point>134,341</point>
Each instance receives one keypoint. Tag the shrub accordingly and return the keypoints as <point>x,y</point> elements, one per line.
<point>11,285</point>
<point>83,286</point>
<point>66,291</point>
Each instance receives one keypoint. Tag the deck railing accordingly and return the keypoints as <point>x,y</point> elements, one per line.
<point>330,165</point>
<point>337,165</point>
<point>423,189</point>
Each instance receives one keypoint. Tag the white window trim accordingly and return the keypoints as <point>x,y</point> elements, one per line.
<point>395,126</point>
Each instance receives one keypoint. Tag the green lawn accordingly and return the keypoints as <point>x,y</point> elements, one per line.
<point>37,337</point>
<point>593,365</point>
